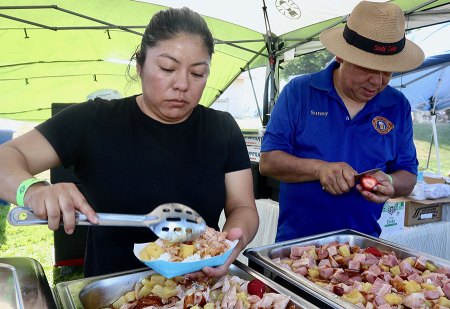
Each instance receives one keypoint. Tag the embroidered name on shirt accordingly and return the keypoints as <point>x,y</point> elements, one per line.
<point>382,125</point>
<point>314,113</point>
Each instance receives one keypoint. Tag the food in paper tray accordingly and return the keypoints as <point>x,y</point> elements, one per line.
<point>228,291</point>
<point>371,278</point>
<point>211,243</point>
<point>175,259</point>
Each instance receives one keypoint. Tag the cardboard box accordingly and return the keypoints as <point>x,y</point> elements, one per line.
<point>431,180</point>
<point>420,213</point>
<point>423,211</point>
<point>392,217</point>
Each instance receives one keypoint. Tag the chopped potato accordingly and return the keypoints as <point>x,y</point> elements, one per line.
<point>157,279</point>
<point>313,273</point>
<point>366,287</point>
<point>428,286</point>
<point>393,299</point>
<point>120,302</point>
<point>344,251</point>
<point>170,283</point>
<point>146,290</point>
<point>444,301</point>
<point>130,296</point>
<point>355,297</point>
<point>412,287</point>
<point>151,251</point>
<point>395,270</point>
<point>430,266</point>
<point>410,261</point>
<point>187,250</point>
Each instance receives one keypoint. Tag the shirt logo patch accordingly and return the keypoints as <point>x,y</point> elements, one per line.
<point>382,125</point>
<point>316,113</point>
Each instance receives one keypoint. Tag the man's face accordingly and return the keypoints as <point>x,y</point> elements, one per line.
<point>361,84</point>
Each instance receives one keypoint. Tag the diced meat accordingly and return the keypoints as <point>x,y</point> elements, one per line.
<point>420,263</point>
<point>332,251</point>
<point>324,263</point>
<point>340,276</point>
<point>333,262</point>
<point>389,260</point>
<point>415,277</point>
<point>385,276</point>
<point>298,250</point>
<point>359,257</point>
<point>326,272</point>
<point>304,262</point>
<point>371,259</point>
<point>384,306</point>
<point>380,287</point>
<point>302,271</point>
<point>446,290</point>
<point>444,270</point>
<point>431,294</point>
<point>405,268</point>
<point>414,300</point>
<point>322,253</point>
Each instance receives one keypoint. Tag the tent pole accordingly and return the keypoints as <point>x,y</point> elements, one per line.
<point>433,123</point>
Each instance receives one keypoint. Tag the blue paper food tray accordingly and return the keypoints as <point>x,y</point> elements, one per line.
<point>173,269</point>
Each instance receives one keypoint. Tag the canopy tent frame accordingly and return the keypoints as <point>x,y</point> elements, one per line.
<point>272,51</point>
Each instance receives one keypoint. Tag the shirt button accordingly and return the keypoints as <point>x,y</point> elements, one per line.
<point>347,118</point>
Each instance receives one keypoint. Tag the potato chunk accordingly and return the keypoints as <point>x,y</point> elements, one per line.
<point>150,252</point>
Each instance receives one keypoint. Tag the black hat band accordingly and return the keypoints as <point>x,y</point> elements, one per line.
<point>371,46</point>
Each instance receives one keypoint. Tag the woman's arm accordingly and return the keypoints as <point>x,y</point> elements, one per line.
<point>242,216</point>
<point>30,154</point>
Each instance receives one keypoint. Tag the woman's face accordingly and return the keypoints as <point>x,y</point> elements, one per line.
<point>173,78</point>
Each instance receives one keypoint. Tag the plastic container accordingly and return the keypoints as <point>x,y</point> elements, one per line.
<point>419,190</point>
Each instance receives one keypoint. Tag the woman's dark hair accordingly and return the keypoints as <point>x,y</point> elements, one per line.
<point>169,23</point>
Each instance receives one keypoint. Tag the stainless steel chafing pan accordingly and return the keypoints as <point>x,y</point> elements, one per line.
<point>263,256</point>
<point>23,284</point>
<point>98,292</point>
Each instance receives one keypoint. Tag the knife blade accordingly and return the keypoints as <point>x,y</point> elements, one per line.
<point>366,173</point>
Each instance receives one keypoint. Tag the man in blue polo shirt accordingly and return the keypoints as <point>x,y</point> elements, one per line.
<point>328,126</point>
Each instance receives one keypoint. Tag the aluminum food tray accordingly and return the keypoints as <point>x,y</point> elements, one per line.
<point>98,292</point>
<point>23,284</point>
<point>263,256</point>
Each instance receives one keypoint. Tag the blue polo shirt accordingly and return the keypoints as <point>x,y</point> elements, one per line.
<point>310,120</point>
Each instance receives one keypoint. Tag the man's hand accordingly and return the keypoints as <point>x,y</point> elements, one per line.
<point>381,192</point>
<point>336,177</point>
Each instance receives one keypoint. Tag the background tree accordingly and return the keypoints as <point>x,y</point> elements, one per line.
<point>306,63</point>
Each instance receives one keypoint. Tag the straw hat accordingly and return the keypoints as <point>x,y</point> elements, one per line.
<point>374,38</point>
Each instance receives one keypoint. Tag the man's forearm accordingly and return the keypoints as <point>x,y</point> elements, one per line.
<point>288,168</point>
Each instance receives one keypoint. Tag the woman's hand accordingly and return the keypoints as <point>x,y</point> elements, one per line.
<point>219,271</point>
<point>58,202</point>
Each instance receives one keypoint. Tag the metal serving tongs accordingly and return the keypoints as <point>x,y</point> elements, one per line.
<point>172,221</point>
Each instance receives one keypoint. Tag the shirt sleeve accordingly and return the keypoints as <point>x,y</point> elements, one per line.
<point>283,123</point>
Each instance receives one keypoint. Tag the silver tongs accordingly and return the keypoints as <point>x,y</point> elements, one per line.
<point>172,221</point>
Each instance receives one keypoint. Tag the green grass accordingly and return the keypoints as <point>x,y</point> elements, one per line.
<point>34,242</point>
<point>37,241</point>
<point>423,133</point>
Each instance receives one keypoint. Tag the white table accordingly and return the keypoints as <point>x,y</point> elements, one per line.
<point>431,238</point>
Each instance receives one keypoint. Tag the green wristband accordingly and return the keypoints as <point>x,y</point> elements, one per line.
<point>390,179</point>
<point>23,187</point>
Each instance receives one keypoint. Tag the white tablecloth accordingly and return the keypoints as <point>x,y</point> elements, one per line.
<point>431,238</point>
<point>268,221</point>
